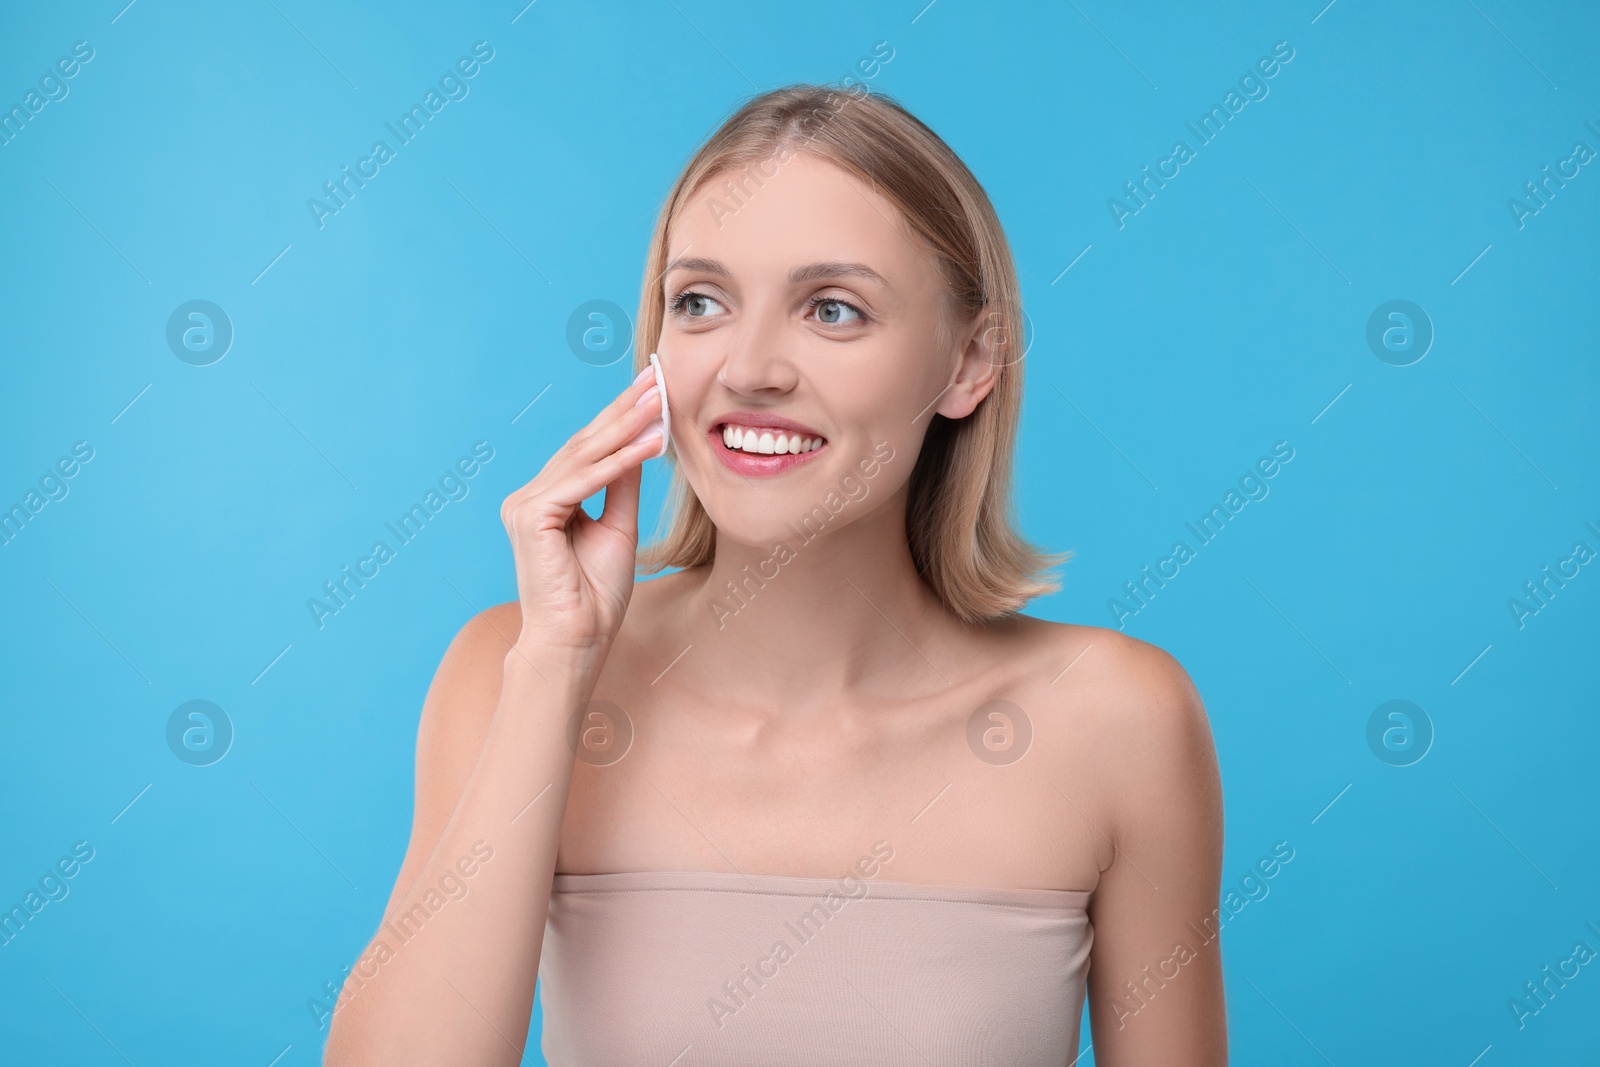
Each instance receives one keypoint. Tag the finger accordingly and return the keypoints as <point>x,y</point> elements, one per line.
<point>621,511</point>
<point>619,404</point>
<point>577,454</point>
<point>610,436</point>
<point>584,482</point>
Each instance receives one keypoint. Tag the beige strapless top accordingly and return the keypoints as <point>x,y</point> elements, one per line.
<point>691,969</point>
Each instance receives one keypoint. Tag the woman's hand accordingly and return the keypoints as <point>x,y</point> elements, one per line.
<point>575,573</point>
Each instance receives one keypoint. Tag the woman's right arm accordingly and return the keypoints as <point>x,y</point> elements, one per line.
<point>449,976</point>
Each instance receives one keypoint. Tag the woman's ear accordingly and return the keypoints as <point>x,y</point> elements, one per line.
<point>983,351</point>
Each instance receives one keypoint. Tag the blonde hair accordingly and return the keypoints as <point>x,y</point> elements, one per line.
<point>959,514</point>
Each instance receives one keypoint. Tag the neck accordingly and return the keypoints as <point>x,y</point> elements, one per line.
<point>827,612</point>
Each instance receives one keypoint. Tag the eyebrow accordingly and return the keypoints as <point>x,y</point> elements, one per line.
<point>808,273</point>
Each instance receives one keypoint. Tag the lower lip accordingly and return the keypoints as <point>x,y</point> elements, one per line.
<point>756,464</point>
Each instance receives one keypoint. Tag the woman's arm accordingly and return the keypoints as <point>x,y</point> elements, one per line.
<point>449,977</point>
<point>1155,978</point>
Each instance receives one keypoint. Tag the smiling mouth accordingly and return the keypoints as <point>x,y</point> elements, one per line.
<point>767,441</point>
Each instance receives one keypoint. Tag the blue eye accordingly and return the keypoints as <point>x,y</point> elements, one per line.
<point>691,303</point>
<point>831,310</point>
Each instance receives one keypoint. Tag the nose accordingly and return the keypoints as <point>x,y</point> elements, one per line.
<point>757,359</point>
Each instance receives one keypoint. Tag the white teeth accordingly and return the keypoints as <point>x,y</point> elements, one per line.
<point>767,442</point>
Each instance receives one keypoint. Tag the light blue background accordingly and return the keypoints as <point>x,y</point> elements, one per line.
<point>1228,314</point>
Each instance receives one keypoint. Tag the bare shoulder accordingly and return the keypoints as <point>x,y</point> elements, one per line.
<point>1121,681</point>
<point>456,716</point>
<point>1135,716</point>
<point>491,631</point>
<point>463,696</point>
<point>465,692</point>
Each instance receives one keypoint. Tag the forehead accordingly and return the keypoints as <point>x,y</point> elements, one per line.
<point>758,221</point>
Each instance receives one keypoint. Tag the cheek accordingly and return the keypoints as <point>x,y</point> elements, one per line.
<point>690,372</point>
<point>898,380</point>
<point>691,379</point>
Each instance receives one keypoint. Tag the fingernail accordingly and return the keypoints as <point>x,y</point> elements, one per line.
<point>645,399</point>
<point>648,372</point>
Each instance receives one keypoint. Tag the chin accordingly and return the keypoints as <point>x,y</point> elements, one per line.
<point>762,526</point>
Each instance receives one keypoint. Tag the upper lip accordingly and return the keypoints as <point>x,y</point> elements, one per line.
<point>763,419</point>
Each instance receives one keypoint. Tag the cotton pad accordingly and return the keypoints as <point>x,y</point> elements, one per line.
<point>663,421</point>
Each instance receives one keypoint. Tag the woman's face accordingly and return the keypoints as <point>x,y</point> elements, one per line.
<point>803,307</point>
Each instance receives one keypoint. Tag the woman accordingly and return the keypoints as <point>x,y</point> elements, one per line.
<point>835,799</point>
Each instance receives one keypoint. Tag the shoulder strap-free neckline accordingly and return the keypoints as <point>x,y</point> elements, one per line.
<point>810,887</point>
